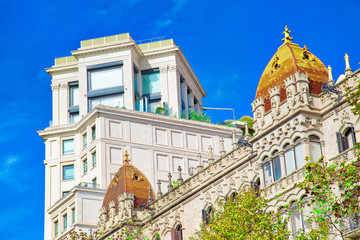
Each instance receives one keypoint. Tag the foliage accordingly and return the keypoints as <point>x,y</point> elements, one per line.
<point>333,192</point>
<point>353,98</point>
<point>125,233</point>
<point>175,183</point>
<point>250,121</point>
<point>197,117</point>
<point>245,217</point>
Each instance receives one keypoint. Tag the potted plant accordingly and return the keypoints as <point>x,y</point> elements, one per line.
<point>160,110</point>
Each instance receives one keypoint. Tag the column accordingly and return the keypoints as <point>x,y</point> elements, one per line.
<point>174,91</point>
<point>55,105</point>
<point>64,103</point>
<point>282,162</point>
<point>128,74</point>
<point>306,150</point>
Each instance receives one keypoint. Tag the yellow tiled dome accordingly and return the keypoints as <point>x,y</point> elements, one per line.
<point>289,59</point>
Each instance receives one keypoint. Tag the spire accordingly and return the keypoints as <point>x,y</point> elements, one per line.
<point>126,158</point>
<point>287,38</point>
<point>331,80</point>
<point>348,70</point>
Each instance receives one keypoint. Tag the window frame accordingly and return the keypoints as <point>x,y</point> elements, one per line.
<point>84,139</point>
<point>104,92</point>
<point>270,161</point>
<point>73,215</point>
<point>73,109</point>
<point>85,165</point>
<point>93,132</point>
<point>56,227</point>
<point>63,145</point>
<point>63,176</point>
<point>148,98</point>
<point>65,221</point>
<point>93,153</point>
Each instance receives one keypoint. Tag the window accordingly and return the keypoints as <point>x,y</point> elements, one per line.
<point>294,157</point>
<point>272,170</point>
<point>74,101</point>
<point>299,220</point>
<point>94,182</point>
<point>289,159</point>
<point>93,132</point>
<point>65,222</point>
<point>56,223</point>
<point>207,215</point>
<point>151,90</point>
<point>315,148</point>
<point>68,146</point>
<point>64,193</point>
<point>85,166</point>
<point>105,85</point>
<point>73,215</point>
<point>93,156</point>
<point>176,233</point>
<point>85,140</point>
<point>299,155</point>
<point>346,140</point>
<point>68,172</point>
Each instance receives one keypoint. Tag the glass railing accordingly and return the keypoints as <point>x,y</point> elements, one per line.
<point>89,185</point>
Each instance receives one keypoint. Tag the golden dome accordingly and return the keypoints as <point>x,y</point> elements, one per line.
<point>289,59</point>
<point>130,180</point>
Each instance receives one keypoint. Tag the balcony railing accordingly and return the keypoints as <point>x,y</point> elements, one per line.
<point>347,155</point>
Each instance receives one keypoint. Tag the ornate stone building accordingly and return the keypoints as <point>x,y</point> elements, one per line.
<point>295,116</point>
<point>293,119</point>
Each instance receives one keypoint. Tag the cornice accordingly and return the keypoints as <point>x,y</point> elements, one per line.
<point>61,68</point>
<point>101,48</point>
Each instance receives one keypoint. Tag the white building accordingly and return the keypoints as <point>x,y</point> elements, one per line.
<point>104,99</point>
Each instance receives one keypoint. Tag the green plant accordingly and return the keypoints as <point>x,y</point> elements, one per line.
<point>199,117</point>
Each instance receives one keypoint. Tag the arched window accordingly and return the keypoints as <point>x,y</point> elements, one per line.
<point>299,219</point>
<point>289,159</point>
<point>315,148</point>
<point>207,215</point>
<point>272,169</point>
<point>176,233</point>
<point>346,140</point>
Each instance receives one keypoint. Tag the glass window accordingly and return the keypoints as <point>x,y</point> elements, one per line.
<point>68,172</point>
<point>64,193</point>
<point>277,168</point>
<point>73,215</point>
<point>315,150</point>
<point>93,156</point>
<point>94,182</point>
<point>299,156</point>
<point>93,132</point>
<point>85,164</point>
<point>68,146</point>
<point>74,95</point>
<point>289,161</point>
<point>74,117</point>
<point>268,173</point>
<point>65,221</point>
<point>106,78</point>
<point>151,82</point>
<point>85,140</point>
<point>153,105</point>
<point>116,100</point>
<point>56,223</point>
<point>296,222</point>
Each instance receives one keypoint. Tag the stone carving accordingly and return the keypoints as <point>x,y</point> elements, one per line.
<point>345,116</point>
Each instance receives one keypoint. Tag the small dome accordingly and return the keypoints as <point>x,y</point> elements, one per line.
<point>289,59</point>
<point>130,180</point>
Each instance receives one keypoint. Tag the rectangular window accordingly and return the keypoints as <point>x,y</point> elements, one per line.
<point>151,90</point>
<point>299,156</point>
<point>68,172</point>
<point>93,156</point>
<point>93,132</point>
<point>94,182</point>
<point>56,223</point>
<point>315,151</point>
<point>105,85</point>
<point>85,164</point>
<point>116,100</point>
<point>73,215</point>
<point>85,140</point>
<point>289,161</point>
<point>65,221</point>
<point>74,102</point>
<point>277,168</point>
<point>64,193</point>
<point>268,173</point>
<point>107,77</point>
<point>68,146</point>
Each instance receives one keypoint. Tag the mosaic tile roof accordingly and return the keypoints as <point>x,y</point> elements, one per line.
<point>128,179</point>
<point>289,59</point>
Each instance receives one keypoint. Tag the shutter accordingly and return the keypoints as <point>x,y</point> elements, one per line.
<point>203,213</point>
<point>173,233</point>
<point>339,141</point>
<point>353,135</point>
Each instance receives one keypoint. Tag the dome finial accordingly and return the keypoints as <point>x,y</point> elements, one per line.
<point>126,157</point>
<point>287,38</point>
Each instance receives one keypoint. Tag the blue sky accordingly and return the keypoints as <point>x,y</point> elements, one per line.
<point>227,43</point>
